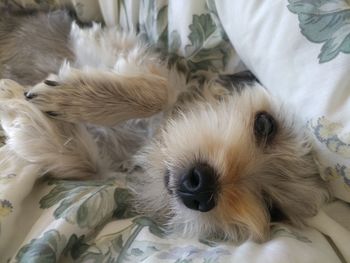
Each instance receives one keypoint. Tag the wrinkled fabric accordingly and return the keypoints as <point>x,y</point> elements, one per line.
<point>46,220</point>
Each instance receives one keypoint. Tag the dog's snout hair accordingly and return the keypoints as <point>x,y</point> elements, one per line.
<point>217,158</point>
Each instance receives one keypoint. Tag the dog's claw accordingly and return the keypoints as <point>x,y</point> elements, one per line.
<point>30,95</point>
<point>52,113</point>
<point>51,83</point>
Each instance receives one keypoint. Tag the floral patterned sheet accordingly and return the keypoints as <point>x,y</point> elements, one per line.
<point>46,220</point>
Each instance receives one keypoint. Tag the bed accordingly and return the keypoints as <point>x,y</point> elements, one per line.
<point>297,48</point>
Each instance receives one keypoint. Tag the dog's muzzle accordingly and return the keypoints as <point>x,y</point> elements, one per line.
<point>197,188</point>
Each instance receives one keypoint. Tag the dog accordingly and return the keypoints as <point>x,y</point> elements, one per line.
<point>216,158</point>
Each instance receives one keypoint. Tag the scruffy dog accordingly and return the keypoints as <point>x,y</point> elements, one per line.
<point>215,158</point>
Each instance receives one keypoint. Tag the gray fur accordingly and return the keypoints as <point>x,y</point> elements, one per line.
<point>33,45</point>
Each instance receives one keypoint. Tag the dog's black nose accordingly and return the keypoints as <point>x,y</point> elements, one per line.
<point>197,188</point>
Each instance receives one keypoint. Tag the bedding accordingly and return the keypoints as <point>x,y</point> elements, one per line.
<point>306,43</point>
<point>43,220</point>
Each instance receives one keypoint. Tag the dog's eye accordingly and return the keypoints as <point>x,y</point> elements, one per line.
<point>264,126</point>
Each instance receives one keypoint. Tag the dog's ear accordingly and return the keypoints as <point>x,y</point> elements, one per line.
<point>294,201</point>
<point>275,211</point>
<point>238,81</point>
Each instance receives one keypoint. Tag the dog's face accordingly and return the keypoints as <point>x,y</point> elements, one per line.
<point>228,168</point>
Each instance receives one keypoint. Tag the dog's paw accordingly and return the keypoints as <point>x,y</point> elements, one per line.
<point>10,89</point>
<point>57,100</point>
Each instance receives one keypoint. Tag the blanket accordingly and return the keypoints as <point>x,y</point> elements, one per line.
<point>47,220</point>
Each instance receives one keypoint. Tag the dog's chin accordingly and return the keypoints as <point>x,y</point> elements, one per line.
<point>187,223</point>
<point>160,202</point>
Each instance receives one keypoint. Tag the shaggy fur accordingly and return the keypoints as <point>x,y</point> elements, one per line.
<point>114,102</point>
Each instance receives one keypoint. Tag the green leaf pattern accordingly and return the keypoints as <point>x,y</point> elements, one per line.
<point>207,50</point>
<point>206,47</point>
<point>154,21</point>
<point>324,21</point>
<point>45,249</point>
<point>84,203</point>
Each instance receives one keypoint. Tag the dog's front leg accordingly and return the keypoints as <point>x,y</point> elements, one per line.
<point>100,97</point>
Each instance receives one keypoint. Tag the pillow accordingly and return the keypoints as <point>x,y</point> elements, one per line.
<point>299,51</point>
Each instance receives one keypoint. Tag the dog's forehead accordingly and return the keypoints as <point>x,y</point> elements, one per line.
<point>250,97</point>
<point>223,128</point>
